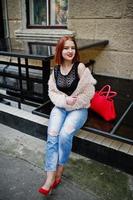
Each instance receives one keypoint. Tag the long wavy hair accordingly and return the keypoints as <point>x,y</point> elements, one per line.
<point>59,47</point>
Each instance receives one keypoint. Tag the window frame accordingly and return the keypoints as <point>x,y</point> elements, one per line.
<point>29,26</point>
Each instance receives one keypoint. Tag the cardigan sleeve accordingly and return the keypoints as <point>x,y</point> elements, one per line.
<point>57,97</point>
<point>87,90</point>
<point>83,98</point>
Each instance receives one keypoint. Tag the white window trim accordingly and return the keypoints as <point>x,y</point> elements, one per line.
<point>47,34</point>
<point>47,12</point>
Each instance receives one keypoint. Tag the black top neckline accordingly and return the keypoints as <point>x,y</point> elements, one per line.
<point>68,72</point>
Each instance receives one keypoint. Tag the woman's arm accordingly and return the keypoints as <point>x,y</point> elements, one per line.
<point>84,98</point>
<point>85,89</point>
<point>81,69</point>
<point>88,92</point>
<point>57,97</point>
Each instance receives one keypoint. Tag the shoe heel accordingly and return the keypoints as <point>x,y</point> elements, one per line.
<point>56,183</point>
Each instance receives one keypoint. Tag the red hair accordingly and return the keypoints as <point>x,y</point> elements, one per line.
<point>59,47</point>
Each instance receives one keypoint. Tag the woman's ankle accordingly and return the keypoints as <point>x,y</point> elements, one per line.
<point>59,172</point>
<point>58,177</point>
<point>48,183</point>
<point>49,180</point>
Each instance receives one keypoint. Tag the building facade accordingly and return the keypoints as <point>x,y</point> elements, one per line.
<point>88,19</point>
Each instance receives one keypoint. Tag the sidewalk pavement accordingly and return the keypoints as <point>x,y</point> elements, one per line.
<point>21,173</point>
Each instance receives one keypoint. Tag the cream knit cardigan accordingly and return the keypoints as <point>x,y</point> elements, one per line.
<point>84,92</point>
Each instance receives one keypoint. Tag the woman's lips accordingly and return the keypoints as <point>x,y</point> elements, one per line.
<point>70,55</point>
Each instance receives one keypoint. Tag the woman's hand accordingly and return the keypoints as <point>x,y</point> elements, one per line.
<point>71,100</point>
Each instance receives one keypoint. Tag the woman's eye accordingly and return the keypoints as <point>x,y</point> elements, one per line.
<point>66,48</point>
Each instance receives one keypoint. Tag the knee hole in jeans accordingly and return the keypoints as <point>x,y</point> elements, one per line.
<point>53,133</point>
<point>69,129</point>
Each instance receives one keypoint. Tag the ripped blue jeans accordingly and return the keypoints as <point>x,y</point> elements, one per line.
<point>63,125</point>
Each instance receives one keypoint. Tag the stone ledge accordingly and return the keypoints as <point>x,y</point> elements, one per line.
<point>46,34</point>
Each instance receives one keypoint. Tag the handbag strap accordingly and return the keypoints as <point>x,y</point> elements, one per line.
<point>111,94</point>
<point>108,94</point>
<point>103,88</point>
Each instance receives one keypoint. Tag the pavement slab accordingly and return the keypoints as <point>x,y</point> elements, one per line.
<point>21,173</point>
<point>20,179</point>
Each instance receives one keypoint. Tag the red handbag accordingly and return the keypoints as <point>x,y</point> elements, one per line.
<point>103,103</point>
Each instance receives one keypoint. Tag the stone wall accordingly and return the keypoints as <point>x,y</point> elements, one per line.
<point>14,16</point>
<point>93,19</point>
<point>111,20</point>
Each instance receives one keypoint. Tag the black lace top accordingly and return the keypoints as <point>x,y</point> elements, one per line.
<point>67,83</point>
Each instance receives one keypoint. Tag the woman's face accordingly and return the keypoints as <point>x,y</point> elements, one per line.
<point>68,51</point>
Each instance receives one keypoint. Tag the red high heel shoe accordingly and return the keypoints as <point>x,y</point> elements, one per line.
<point>45,191</point>
<point>56,183</point>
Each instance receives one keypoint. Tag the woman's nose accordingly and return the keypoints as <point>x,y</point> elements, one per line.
<point>70,49</point>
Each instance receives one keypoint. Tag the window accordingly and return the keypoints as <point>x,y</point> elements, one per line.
<point>47,13</point>
<point>41,48</point>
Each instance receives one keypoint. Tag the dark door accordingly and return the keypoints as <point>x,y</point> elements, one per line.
<point>1,22</point>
